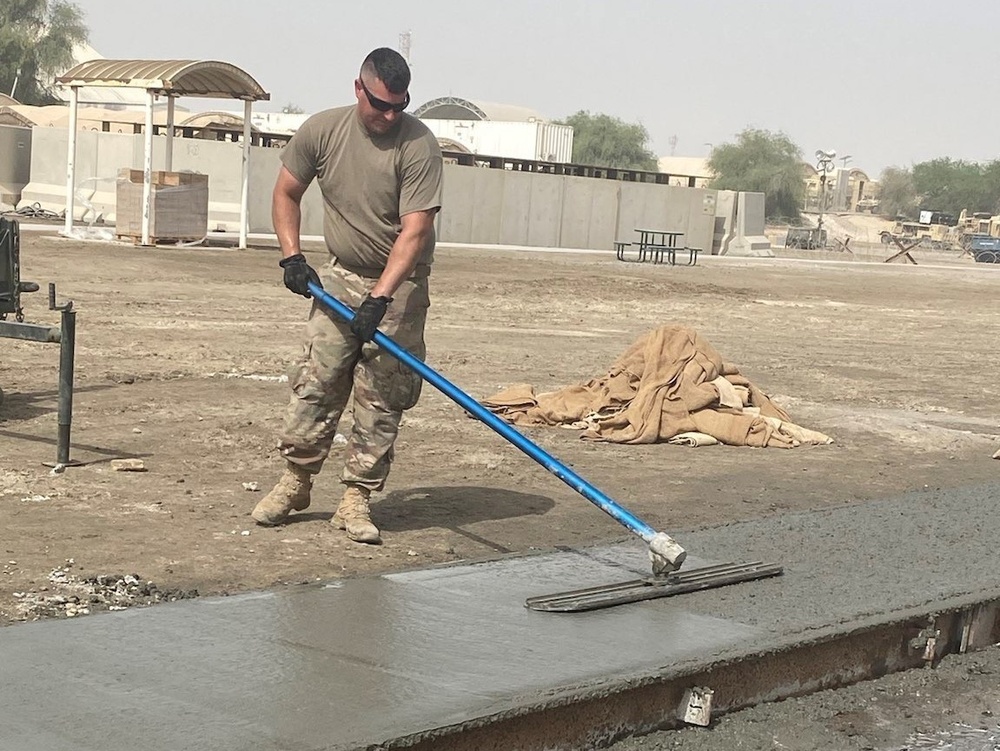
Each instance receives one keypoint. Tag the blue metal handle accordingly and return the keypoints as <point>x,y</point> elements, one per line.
<point>553,465</point>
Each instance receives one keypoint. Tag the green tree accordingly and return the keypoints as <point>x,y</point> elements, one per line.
<point>897,193</point>
<point>36,44</point>
<point>606,141</point>
<point>952,185</point>
<point>991,184</point>
<point>292,109</point>
<point>762,162</point>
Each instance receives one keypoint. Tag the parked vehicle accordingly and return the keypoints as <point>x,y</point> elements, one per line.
<point>985,248</point>
<point>936,236</point>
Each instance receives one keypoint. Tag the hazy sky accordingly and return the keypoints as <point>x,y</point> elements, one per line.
<point>885,81</point>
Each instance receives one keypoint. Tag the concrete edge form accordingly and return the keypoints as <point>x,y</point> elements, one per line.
<point>594,717</point>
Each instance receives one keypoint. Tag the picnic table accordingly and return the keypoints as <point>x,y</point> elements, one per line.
<point>657,245</point>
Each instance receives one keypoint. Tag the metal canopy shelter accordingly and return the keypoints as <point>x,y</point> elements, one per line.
<point>170,78</point>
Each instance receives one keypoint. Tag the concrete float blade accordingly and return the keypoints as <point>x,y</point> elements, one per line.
<point>651,588</point>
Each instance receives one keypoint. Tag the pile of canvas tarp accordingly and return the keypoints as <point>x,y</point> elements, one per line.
<point>671,385</point>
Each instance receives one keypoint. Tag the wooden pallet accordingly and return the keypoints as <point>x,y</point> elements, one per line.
<point>137,239</point>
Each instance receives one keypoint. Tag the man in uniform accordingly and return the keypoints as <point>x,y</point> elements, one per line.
<point>379,172</point>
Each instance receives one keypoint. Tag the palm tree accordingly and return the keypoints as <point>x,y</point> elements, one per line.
<point>36,44</point>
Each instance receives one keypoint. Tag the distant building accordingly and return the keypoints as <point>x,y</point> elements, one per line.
<point>461,126</point>
<point>502,130</point>
<point>862,191</point>
<point>682,168</point>
<point>88,118</point>
<point>277,123</point>
<point>846,190</point>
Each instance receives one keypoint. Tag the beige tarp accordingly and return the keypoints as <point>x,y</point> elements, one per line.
<point>670,384</point>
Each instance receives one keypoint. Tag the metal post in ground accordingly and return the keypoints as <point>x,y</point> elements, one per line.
<point>824,166</point>
<point>67,351</point>
<point>67,356</point>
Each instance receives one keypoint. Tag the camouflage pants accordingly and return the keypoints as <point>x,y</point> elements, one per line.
<point>335,363</point>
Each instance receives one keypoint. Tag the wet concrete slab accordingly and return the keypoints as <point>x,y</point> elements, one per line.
<point>357,663</point>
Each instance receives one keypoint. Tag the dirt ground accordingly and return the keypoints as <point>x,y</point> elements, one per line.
<point>181,351</point>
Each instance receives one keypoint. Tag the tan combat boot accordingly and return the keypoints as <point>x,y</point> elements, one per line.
<point>353,515</point>
<point>290,494</point>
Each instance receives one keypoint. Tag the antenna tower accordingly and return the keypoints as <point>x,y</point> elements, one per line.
<point>404,45</point>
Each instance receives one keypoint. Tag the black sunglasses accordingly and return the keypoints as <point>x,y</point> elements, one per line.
<point>380,104</point>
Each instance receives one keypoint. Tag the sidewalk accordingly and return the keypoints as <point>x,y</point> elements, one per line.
<point>395,659</point>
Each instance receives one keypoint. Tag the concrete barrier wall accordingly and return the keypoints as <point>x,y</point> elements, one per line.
<point>670,208</point>
<point>725,221</point>
<point>590,213</point>
<point>263,171</point>
<point>15,163</point>
<point>481,206</point>
<point>750,239</point>
<point>100,156</point>
<point>500,207</point>
<point>474,201</point>
<point>264,166</point>
<point>222,161</point>
<point>752,217</point>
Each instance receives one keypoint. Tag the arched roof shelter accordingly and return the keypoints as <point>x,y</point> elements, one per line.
<point>456,108</point>
<point>172,79</point>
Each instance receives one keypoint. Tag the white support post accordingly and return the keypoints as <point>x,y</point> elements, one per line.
<point>245,192</point>
<point>169,158</point>
<point>71,160</point>
<point>147,170</point>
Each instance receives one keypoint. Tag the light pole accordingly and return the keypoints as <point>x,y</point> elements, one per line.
<point>824,166</point>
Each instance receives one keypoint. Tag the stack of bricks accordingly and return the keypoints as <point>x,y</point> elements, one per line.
<point>178,208</point>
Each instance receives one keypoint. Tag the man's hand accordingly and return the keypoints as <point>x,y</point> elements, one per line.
<point>298,274</point>
<point>368,316</point>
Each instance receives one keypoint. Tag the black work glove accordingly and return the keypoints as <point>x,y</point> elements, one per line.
<point>298,274</point>
<point>368,316</point>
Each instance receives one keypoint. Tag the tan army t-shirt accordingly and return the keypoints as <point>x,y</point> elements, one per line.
<point>368,182</point>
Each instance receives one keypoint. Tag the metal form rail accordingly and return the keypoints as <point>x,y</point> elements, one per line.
<point>840,657</point>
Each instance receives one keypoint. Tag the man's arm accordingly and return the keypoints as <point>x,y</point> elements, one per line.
<point>286,212</point>
<point>286,215</point>
<point>417,228</point>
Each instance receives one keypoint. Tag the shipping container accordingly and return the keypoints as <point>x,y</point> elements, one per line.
<point>538,141</point>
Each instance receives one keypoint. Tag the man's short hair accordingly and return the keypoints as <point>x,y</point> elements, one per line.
<point>389,67</point>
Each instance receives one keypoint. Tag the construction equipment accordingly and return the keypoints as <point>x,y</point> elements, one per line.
<point>11,288</point>
<point>807,238</point>
<point>665,554</point>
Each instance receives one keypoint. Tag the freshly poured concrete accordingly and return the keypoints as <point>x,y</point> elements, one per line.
<point>362,662</point>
